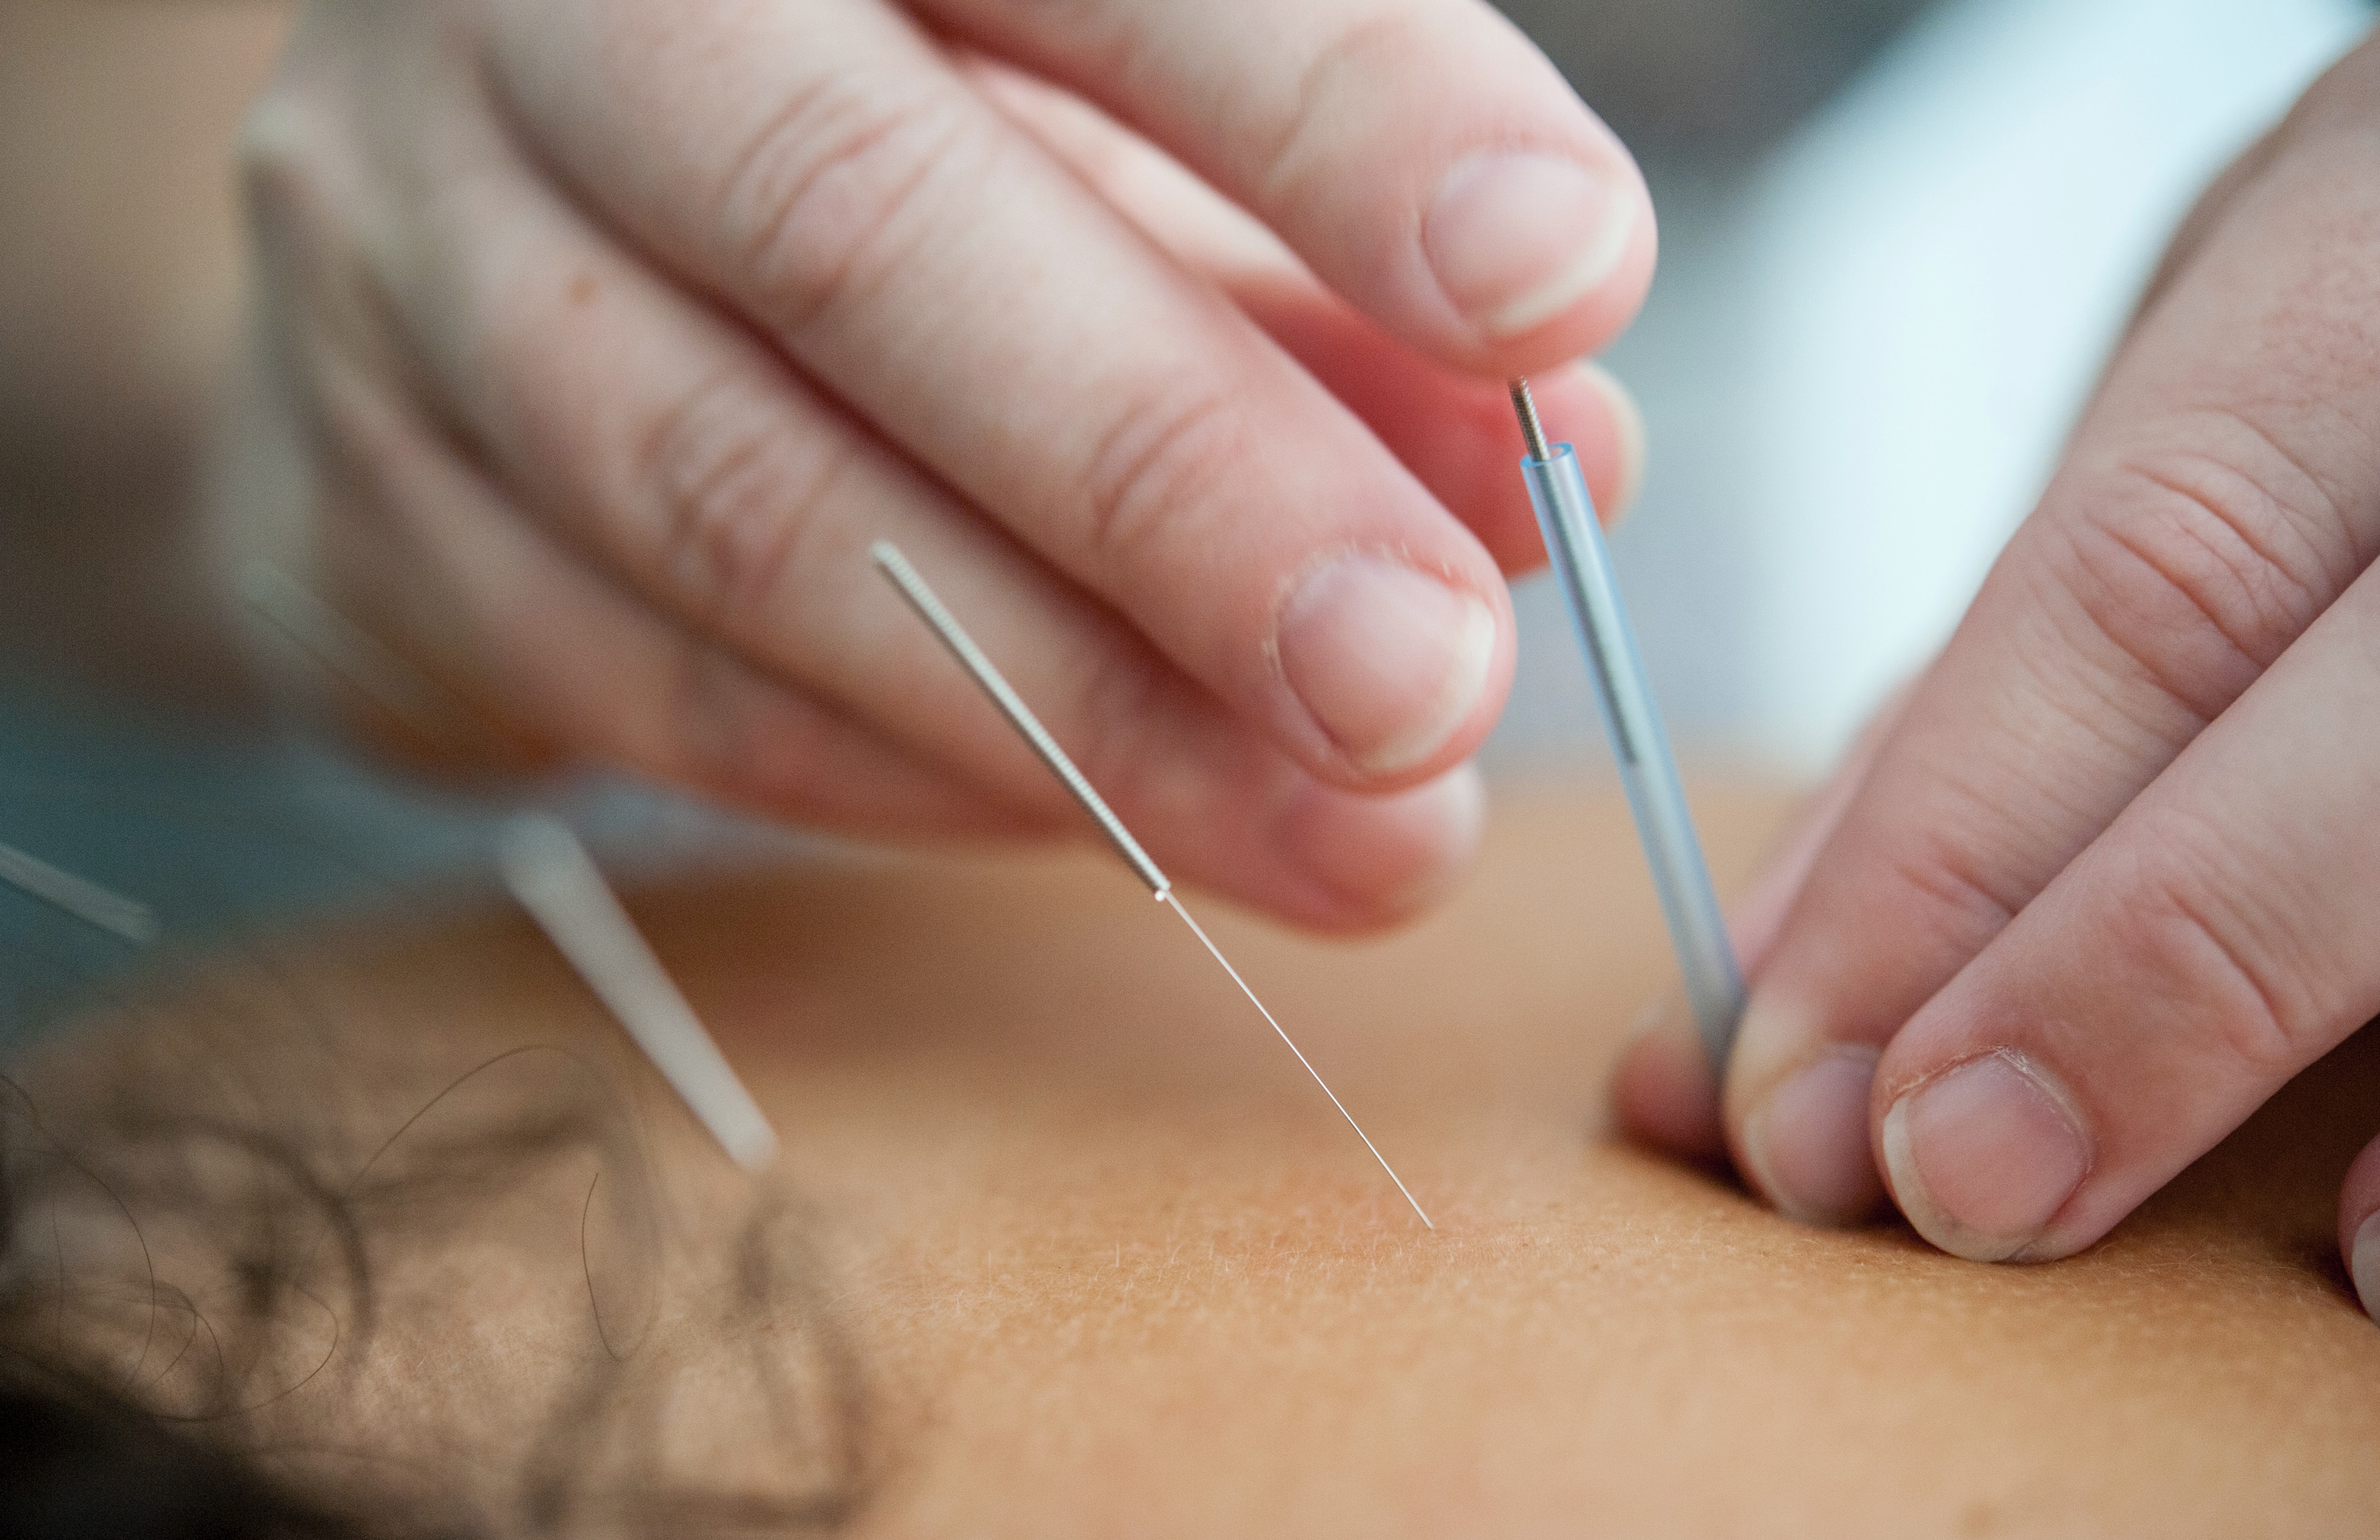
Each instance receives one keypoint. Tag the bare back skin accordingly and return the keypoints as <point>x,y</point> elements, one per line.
<point>1062,1243</point>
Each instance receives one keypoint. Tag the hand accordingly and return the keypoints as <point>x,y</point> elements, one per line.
<point>603,337</point>
<point>2112,875</point>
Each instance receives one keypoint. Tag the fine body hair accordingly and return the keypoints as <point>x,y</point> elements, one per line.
<point>252,1257</point>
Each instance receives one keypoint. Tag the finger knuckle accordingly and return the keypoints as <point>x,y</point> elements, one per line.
<point>2202,564</point>
<point>734,494</point>
<point>831,189</point>
<point>1158,462</point>
<point>1940,871</point>
<point>2192,931</point>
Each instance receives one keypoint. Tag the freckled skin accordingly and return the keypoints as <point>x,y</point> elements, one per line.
<point>1106,1263</point>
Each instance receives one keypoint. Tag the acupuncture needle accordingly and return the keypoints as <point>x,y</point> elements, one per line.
<point>931,609</point>
<point>549,872</point>
<point>85,900</point>
<point>1649,770</point>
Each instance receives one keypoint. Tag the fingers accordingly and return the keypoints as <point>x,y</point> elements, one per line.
<point>1453,430</point>
<point>2212,943</point>
<point>509,629</point>
<point>1663,1091</point>
<point>1423,159</point>
<point>2358,1226</point>
<point>839,183</point>
<point>1456,434</point>
<point>697,603</point>
<point>2219,495</point>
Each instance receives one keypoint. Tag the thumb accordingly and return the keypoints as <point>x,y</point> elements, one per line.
<point>2358,1226</point>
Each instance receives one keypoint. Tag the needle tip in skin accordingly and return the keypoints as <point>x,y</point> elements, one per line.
<point>1198,930</point>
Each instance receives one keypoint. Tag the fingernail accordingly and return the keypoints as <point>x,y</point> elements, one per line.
<point>1982,1158</point>
<point>2365,1266</point>
<point>1390,662</point>
<point>1385,856</point>
<point>1628,430</point>
<point>1517,237</point>
<point>1807,1143</point>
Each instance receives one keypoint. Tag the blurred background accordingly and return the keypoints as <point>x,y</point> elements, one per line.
<point>1898,240</point>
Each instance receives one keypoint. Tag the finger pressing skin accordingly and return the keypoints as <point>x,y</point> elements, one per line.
<point>835,179</point>
<point>1663,1091</point>
<point>724,497</point>
<point>2212,943</point>
<point>1423,159</point>
<point>2218,497</point>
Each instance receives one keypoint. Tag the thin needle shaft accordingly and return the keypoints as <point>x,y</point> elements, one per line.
<point>1175,903</point>
<point>895,566</point>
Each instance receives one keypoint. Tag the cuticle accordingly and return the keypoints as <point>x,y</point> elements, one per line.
<point>2047,1084</point>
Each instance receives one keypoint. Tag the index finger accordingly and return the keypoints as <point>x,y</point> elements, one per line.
<point>829,175</point>
<point>1425,159</point>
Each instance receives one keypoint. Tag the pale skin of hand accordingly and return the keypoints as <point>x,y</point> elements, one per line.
<point>2104,878</point>
<point>602,339</point>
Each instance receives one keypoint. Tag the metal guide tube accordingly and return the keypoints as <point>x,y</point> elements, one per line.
<point>1647,769</point>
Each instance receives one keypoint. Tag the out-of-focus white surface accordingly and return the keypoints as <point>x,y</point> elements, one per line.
<point>1860,359</point>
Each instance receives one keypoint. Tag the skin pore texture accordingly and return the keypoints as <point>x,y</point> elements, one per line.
<point>1062,1243</point>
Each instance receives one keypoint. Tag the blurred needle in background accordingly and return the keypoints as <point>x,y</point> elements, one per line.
<point>554,879</point>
